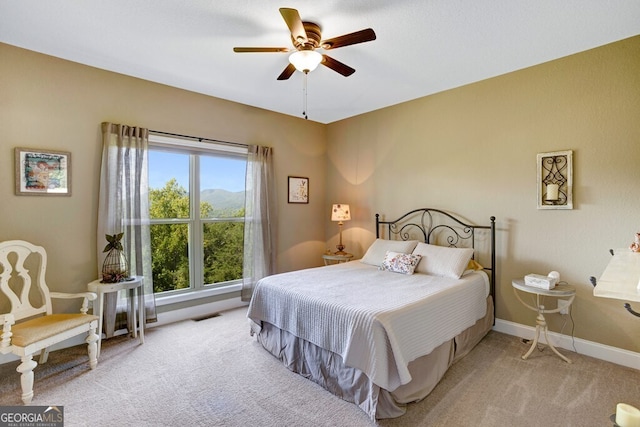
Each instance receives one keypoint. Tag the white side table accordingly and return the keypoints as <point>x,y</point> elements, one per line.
<point>336,259</point>
<point>560,291</point>
<point>135,288</point>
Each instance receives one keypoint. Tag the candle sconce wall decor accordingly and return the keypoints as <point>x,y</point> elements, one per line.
<point>555,180</point>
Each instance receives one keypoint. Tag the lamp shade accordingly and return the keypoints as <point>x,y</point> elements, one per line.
<point>340,212</point>
<point>305,60</point>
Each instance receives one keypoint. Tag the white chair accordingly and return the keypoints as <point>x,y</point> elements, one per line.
<point>27,329</point>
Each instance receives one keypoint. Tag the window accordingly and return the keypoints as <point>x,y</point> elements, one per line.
<point>196,206</point>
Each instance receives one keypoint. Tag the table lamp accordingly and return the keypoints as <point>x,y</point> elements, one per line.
<point>340,212</point>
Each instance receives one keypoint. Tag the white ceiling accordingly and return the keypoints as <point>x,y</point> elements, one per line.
<point>422,46</point>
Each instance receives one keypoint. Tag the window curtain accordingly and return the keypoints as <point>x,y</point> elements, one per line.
<point>260,220</point>
<point>124,208</point>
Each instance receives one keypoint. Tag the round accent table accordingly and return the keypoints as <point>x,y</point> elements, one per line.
<point>336,259</point>
<point>135,289</point>
<point>560,291</point>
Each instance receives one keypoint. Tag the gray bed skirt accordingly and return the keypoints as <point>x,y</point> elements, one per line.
<point>328,370</point>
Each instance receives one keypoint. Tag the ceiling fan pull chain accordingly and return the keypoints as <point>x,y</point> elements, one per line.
<point>304,95</point>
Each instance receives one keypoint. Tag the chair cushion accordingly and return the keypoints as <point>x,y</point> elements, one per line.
<point>34,330</point>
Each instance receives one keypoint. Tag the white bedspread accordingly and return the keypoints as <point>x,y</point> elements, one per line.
<point>378,321</point>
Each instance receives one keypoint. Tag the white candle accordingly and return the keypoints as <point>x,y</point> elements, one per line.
<point>627,415</point>
<point>552,191</point>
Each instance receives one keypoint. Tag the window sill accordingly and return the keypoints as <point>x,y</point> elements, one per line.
<point>194,295</point>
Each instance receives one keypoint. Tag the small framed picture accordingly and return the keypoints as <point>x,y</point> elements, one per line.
<point>298,189</point>
<point>42,172</point>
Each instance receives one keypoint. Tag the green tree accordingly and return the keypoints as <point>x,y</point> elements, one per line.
<point>222,241</point>
<point>169,256</point>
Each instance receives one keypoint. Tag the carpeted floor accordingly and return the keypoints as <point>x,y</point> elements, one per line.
<point>212,373</point>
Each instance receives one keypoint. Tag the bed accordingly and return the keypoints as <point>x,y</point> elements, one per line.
<point>382,331</point>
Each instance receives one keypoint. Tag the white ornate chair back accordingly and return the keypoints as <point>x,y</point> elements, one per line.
<point>22,279</point>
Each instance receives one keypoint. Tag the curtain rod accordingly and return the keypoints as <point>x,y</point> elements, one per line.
<point>199,138</point>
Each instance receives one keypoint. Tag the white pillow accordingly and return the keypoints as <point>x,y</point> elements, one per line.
<point>378,249</point>
<point>442,260</point>
<point>397,262</point>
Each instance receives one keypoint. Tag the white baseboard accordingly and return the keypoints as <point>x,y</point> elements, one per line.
<point>197,311</point>
<point>163,319</point>
<point>588,348</point>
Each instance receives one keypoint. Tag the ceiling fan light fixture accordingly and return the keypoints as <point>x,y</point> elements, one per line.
<point>305,60</point>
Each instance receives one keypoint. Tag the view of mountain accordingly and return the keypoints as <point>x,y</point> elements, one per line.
<point>223,200</point>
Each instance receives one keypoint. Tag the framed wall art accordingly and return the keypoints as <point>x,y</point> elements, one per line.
<point>555,180</point>
<point>42,172</point>
<point>298,189</point>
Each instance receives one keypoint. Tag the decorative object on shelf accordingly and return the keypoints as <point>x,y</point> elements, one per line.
<point>555,180</point>
<point>115,267</point>
<point>340,213</point>
<point>298,189</point>
<point>42,172</point>
<point>635,246</point>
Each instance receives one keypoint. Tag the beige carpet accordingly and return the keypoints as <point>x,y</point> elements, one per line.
<point>212,373</point>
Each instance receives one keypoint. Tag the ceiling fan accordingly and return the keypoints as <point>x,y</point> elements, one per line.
<point>307,37</point>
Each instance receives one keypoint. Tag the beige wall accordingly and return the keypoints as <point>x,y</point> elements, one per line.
<point>472,150</point>
<point>50,103</point>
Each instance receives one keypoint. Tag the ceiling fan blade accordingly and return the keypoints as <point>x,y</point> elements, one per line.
<point>337,66</point>
<point>349,39</point>
<point>292,18</point>
<point>287,72</point>
<point>260,49</point>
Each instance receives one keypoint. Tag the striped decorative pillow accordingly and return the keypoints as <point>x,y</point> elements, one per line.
<point>442,261</point>
<point>376,252</point>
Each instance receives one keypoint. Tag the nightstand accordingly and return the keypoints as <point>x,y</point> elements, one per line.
<point>336,259</point>
<point>560,291</point>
